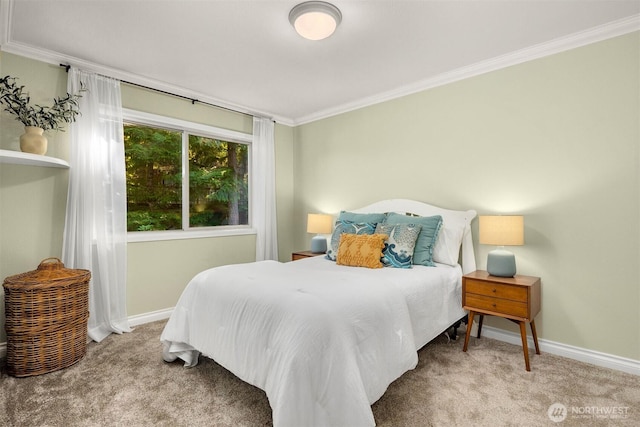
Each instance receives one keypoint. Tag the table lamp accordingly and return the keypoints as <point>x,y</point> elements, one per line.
<point>319,224</point>
<point>501,230</point>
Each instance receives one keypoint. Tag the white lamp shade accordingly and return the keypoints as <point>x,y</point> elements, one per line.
<point>502,230</point>
<point>315,20</point>
<point>319,223</point>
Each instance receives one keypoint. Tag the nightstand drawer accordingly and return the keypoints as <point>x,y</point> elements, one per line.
<point>516,293</point>
<point>498,305</point>
<point>515,298</point>
<point>304,254</point>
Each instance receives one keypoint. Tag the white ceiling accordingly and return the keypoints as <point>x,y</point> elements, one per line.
<point>244,54</point>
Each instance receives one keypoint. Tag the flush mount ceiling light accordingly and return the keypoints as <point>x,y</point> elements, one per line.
<point>315,20</point>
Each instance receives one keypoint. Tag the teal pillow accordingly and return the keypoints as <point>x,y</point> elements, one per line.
<point>349,227</point>
<point>423,252</point>
<point>399,246</point>
<point>371,218</point>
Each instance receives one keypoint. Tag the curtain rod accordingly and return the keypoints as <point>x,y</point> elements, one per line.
<point>193,101</point>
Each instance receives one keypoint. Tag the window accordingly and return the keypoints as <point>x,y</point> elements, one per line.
<point>184,176</point>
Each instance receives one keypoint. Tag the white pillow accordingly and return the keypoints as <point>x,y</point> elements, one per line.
<point>447,248</point>
<point>449,241</point>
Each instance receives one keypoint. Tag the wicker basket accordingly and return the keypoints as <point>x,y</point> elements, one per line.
<point>46,318</point>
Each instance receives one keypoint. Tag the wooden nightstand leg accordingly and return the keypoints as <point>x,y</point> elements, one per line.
<point>468,334</point>
<point>480,325</point>
<point>525,348</point>
<point>535,336</point>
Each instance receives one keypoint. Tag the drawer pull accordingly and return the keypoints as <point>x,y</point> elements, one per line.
<point>494,290</point>
<point>494,305</point>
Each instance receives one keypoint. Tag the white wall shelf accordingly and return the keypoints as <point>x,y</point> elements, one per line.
<point>27,159</point>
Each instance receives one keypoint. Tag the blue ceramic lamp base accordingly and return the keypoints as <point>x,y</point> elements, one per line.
<point>319,244</point>
<point>501,263</point>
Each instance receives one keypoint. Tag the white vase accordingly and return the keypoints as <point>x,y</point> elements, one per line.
<point>32,141</point>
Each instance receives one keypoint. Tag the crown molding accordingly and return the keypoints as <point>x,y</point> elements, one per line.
<point>562,44</point>
<point>5,22</point>
<point>56,58</point>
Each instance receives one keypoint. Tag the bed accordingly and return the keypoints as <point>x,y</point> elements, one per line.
<point>324,340</point>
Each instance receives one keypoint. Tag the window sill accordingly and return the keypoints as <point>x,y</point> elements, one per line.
<point>155,236</point>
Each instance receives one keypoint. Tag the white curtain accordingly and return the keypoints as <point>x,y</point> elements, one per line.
<point>96,223</point>
<point>263,189</point>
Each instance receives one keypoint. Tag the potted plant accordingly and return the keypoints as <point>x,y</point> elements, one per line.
<point>36,118</point>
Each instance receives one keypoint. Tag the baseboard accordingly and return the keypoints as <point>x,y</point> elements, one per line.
<point>576,353</point>
<point>141,319</point>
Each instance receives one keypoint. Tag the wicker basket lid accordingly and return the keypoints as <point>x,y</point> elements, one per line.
<point>50,271</point>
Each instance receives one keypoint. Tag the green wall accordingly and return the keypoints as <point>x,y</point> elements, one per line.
<point>33,199</point>
<point>555,139</point>
<point>158,271</point>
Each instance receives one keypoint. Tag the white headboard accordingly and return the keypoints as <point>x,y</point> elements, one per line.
<point>461,218</point>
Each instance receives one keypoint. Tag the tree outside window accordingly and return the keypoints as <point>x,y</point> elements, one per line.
<point>218,177</point>
<point>216,184</point>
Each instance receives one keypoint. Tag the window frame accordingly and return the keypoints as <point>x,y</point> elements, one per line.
<point>197,129</point>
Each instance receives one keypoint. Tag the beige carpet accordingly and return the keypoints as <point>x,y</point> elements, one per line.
<point>124,382</point>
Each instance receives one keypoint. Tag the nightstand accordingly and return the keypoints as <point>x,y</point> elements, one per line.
<point>304,254</point>
<point>513,298</point>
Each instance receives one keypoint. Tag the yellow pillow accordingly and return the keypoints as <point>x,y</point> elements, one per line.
<point>361,250</point>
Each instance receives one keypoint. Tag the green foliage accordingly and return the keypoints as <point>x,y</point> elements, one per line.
<point>217,180</point>
<point>207,219</point>
<point>217,169</point>
<point>154,182</point>
<point>17,102</point>
<point>148,220</point>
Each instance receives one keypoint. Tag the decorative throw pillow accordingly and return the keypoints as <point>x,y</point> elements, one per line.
<point>423,252</point>
<point>348,227</point>
<point>362,217</point>
<point>398,250</point>
<point>364,250</point>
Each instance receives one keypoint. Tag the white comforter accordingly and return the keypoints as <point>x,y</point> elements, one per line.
<point>323,341</point>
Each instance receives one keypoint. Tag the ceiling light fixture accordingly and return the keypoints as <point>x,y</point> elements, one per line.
<point>315,20</point>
